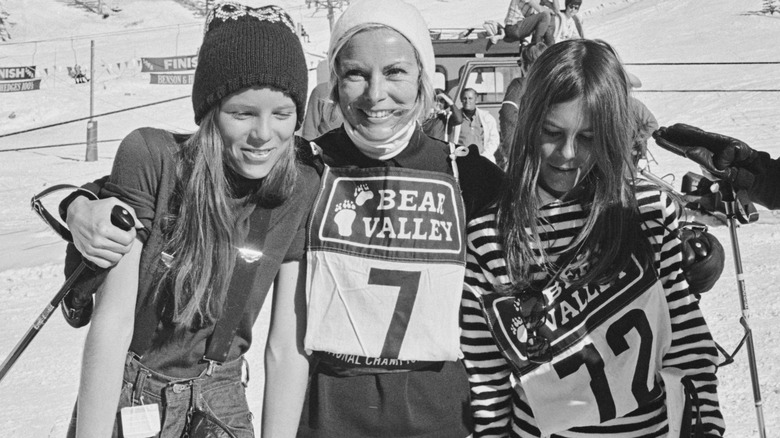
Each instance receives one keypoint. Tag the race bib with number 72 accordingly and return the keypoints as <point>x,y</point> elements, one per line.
<point>607,343</point>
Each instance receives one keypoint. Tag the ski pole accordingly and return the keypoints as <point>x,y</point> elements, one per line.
<point>730,203</point>
<point>121,218</point>
<point>729,198</point>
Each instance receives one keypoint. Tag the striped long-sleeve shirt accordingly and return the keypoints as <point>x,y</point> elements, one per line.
<point>500,397</point>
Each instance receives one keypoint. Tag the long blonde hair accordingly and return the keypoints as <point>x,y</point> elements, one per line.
<point>201,222</point>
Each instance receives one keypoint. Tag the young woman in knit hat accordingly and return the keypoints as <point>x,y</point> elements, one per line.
<point>386,245</point>
<point>223,213</point>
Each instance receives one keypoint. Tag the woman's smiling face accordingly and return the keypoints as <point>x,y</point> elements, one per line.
<point>565,143</point>
<point>257,127</point>
<point>378,82</point>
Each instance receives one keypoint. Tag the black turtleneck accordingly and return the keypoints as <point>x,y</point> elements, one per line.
<point>241,186</point>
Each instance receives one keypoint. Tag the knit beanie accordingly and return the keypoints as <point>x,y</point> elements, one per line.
<point>396,14</point>
<point>244,47</point>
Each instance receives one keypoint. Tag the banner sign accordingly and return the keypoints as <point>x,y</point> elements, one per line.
<point>17,73</point>
<point>172,79</point>
<point>10,87</point>
<point>173,63</point>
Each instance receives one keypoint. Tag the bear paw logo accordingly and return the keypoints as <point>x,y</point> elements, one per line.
<point>517,323</point>
<point>345,216</point>
<point>362,194</point>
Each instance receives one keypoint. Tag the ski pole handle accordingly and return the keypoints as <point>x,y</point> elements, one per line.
<point>669,146</point>
<point>121,218</point>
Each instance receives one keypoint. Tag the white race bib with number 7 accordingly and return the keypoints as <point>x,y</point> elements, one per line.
<point>385,252</point>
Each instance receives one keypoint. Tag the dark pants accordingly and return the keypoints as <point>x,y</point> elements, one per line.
<point>540,25</point>
<point>221,395</point>
<point>426,403</point>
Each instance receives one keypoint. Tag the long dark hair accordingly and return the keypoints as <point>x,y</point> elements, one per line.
<point>566,71</point>
<point>202,235</point>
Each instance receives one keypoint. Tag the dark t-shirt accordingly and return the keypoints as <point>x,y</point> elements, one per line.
<point>143,176</point>
<point>425,403</point>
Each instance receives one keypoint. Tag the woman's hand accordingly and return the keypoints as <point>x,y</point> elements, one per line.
<point>96,238</point>
<point>445,98</point>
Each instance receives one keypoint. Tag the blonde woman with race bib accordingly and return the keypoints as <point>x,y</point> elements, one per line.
<point>386,245</point>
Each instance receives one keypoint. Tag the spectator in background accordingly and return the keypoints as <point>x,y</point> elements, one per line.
<point>322,115</point>
<point>444,119</point>
<point>530,17</point>
<point>478,127</point>
<point>507,115</point>
<point>568,25</point>
<point>646,124</point>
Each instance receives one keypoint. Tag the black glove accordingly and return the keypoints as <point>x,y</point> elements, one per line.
<point>725,157</point>
<point>703,257</point>
<point>77,305</point>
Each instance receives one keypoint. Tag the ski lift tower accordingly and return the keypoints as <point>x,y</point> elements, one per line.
<point>329,5</point>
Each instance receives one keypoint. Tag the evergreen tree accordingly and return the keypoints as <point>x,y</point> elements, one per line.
<point>771,6</point>
<point>5,34</point>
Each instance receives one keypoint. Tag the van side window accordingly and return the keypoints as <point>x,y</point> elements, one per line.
<point>440,77</point>
<point>491,82</point>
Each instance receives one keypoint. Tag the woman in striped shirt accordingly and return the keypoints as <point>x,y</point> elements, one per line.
<point>577,319</point>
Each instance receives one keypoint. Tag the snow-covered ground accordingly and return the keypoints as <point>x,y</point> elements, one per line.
<point>38,394</point>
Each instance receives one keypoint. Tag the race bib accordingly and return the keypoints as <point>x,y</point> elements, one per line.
<point>386,253</point>
<point>607,345</point>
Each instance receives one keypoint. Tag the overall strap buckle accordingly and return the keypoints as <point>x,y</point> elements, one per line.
<point>212,364</point>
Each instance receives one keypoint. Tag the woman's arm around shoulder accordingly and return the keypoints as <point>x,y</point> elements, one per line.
<point>286,364</point>
<point>106,347</point>
<point>135,176</point>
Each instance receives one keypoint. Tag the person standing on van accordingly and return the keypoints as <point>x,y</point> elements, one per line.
<point>478,127</point>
